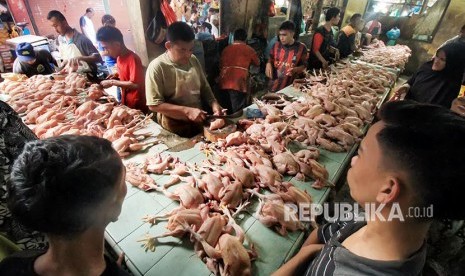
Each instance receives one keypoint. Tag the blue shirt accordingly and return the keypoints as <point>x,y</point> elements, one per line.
<point>109,61</point>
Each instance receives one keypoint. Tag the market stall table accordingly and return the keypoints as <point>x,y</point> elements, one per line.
<point>175,256</point>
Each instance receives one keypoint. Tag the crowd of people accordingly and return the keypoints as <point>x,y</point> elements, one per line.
<point>71,187</point>
<point>193,70</point>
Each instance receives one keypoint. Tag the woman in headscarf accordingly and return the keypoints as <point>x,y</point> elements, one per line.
<point>437,81</point>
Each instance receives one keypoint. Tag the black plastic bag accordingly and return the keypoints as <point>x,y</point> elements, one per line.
<point>156,31</point>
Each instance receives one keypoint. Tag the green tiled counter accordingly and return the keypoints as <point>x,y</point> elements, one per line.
<point>175,256</point>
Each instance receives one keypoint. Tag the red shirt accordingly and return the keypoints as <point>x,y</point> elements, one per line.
<point>130,69</point>
<point>234,64</point>
<point>317,41</point>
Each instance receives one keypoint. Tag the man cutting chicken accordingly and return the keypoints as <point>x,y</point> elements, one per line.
<point>76,50</point>
<point>176,87</point>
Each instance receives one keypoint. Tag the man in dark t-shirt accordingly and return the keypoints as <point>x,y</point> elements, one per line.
<point>346,41</point>
<point>30,62</point>
<point>400,182</point>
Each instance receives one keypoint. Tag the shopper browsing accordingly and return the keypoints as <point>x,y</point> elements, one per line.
<point>70,188</point>
<point>87,26</point>
<point>398,165</point>
<point>437,81</point>
<point>110,62</point>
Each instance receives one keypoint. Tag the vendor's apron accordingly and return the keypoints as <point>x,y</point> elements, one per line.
<point>187,94</point>
<point>70,50</point>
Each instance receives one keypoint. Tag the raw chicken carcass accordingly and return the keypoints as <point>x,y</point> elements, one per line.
<point>217,124</point>
<point>236,138</point>
<point>286,163</point>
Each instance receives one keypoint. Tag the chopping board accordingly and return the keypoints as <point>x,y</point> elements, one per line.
<point>215,135</point>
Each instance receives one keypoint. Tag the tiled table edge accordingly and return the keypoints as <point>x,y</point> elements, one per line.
<point>297,243</point>
<point>117,249</point>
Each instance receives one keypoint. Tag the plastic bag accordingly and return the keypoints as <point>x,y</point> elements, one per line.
<point>156,31</point>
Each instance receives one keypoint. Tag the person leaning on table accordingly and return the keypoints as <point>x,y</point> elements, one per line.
<point>400,166</point>
<point>70,188</point>
<point>30,62</point>
<point>437,81</point>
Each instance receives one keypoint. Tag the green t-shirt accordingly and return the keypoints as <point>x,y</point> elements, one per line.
<point>168,82</point>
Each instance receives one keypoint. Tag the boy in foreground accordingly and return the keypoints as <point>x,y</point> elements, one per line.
<point>411,158</point>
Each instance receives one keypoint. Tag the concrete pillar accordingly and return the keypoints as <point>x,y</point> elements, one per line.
<point>316,16</point>
<point>243,14</point>
<point>140,12</point>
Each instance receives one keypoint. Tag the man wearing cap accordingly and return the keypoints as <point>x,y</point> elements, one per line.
<point>30,62</point>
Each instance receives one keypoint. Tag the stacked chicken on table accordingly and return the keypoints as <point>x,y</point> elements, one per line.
<point>59,107</point>
<point>387,56</point>
<point>253,164</point>
<point>248,165</point>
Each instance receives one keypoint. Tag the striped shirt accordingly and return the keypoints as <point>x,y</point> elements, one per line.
<point>335,259</point>
<point>283,58</point>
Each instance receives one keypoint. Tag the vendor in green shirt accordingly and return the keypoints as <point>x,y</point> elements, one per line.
<point>176,87</point>
<point>30,62</point>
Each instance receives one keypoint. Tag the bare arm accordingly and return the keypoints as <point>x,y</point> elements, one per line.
<point>312,238</point>
<point>82,24</point>
<point>458,106</point>
<point>299,263</point>
<point>123,84</point>
<point>297,70</point>
<point>320,57</point>
<point>269,70</point>
<point>92,58</point>
<point>179,112</point>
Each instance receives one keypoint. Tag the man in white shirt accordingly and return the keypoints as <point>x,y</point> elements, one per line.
<point>215,24</point>
<point>87,26</point>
